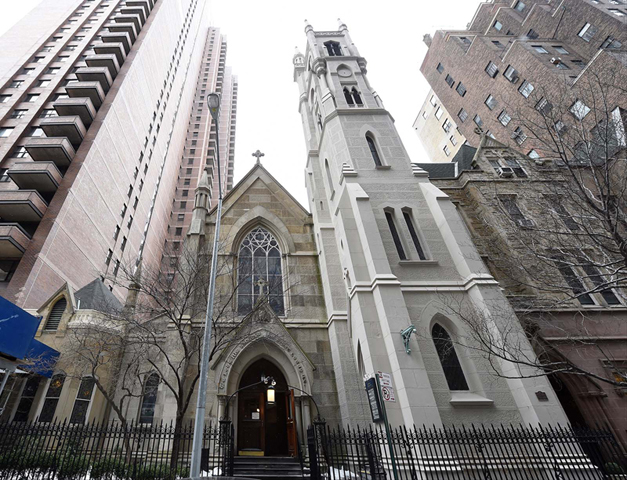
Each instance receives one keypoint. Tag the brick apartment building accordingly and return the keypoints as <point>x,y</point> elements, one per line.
<point>516,57</point>
<point>97,101</point>
<point>508,202</point>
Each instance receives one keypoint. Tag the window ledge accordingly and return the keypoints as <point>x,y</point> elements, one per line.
<point>467,399</point>
<point>383,167</point>
<point>418,262</point>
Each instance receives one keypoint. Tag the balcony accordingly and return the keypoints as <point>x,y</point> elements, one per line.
<point>41,176</point>
<point>116,49</point>
<point>23,206</point>
<point>70,127</point>
<point>118,37</point>
<point>57,150</point>
<point>134,19</point>
<point>13,240</point>
<point>95,74</point>
<point>108,60</point>
<point>140,3</point>
<point>134,11</point>
<point>83,107</point>
<point>91,90</point>
<point>124,28</point>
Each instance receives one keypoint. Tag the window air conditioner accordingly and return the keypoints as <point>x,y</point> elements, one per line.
<point>505,172</point>
<point>556,60</point>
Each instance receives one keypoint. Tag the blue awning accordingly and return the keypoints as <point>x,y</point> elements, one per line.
<point>41,359</point>
<point>17,329</point>
<point>17,340</point>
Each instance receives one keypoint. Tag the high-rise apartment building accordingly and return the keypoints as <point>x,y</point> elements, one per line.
<point>199,152</point>
<point>437,131</point>
<point>96,98</point>
<point>517,55</point>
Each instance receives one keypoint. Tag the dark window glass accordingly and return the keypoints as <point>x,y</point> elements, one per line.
<point>147,411</point>
<point>599,280</point>
<point>448,358</point>
<point>440,68</point>
<point>26,401</point>
<point>573,281</point>
<point>450,80</point>
<point>373,151</point>
<point>333,48</point>
<point>397,240</point>
<point>52,398</point>
<point>356,96</point>
<point>348,97</point>
<point>54,318</point>
<point>509,203</point>
<point>260,272</point>
<point>414,235</point>
<point>83,398</point>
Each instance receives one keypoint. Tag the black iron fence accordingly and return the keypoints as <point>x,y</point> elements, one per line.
<point>464,453</point>
<point>61,451</point>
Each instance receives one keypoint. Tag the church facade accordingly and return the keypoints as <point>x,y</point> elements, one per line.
<point>380,250</point>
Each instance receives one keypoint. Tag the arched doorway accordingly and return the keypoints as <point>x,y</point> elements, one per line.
<point>265,429</point>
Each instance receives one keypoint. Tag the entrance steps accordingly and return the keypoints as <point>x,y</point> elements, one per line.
<point>268,468</point>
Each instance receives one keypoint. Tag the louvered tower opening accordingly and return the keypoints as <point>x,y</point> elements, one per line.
<point>55,315</point>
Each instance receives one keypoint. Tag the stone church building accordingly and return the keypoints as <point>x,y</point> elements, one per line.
<point>378,249</point>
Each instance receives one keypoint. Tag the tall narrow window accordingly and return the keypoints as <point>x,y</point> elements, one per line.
<point>149,400</point>
<point>414,235</point>
<point>373,151</point>
<point>329,177</point>
<point>599,282</point>
<point>397,240</point>
<point>509,203</point>
<point>27,399</point>
<point>348,97</point>
<point>448,358</point>
<point>54,318</point>
<point>83,399</point>
<point>573,280</point>
<point>356,96</point>
<point>260,272</point>
<point>52,398</point>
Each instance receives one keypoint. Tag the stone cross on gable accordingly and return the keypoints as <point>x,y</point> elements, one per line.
<point>258,154</point>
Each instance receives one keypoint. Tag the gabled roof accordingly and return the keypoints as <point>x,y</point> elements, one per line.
<point>260,171</point>
<point>96,296</point>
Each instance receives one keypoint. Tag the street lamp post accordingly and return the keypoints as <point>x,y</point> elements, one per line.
<point>213,101</point>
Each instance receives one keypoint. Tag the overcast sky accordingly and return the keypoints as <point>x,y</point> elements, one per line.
<point>262,36</point>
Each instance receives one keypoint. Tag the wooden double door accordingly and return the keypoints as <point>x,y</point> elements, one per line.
<point>266,429</point>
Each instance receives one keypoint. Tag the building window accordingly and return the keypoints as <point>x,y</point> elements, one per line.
<point>478,121</point>
<point>497,25</point>
<point>4,98</point>
<point>579,109</point>
<point>560,49</point>
<point>539,49</point>
<point>52,398</point>
<point>397,240</point>
<point>123,244</point>
<point>573,280</point>
<point>554,202</point>
<point>333,48</point>
<point>562,66</point>
<point>440,68</point>
<point>491,102</point>
<point>83,399</point>
<point>520,6</point>
<point>515,166</point>
<point>450,80</point>
<point>109,255</point>
<point>116,232</point>
<point>446,126</point>
<point>617,12</point>
<point>462,115</point>
<point>433,100</point>
<point>525,89</point>
<point>453,140</point>
<point>19,152</point>
<point>611,43</point>
<point>447,151</point>
<point>511,74</point>
<point>16,84</point>
<point>414,235</point>
<point>438,113</point>
<point>327,169</point>
<point>519,135</point>
<point>461,89</point>
<point>599,281</point>
<point>149,399</point>
<point>543,106</point>
<point>491,69</point>
<point>587,32</point>
<point>260,272</point>
<point>31,97</point>
<point>511,207</point>
<point>54,317</point>
<point>5,132</point>
<point>48,113</point>
<point>533,154</point>
<point>373,150</point>
<point>27,399</point>
<point>532,34</point>
<point>445,349</point>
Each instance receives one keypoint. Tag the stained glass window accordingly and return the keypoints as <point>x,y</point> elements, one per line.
<point>52,398</point>
<point>259,272</point>
<point>83,398</point>
<point>147,412</point>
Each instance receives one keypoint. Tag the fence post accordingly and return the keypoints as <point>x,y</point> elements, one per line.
<point>314,471</point>
<point>225,444</point>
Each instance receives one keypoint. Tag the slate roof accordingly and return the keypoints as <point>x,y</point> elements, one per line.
<point>96,296</point>
<point>460,162</point>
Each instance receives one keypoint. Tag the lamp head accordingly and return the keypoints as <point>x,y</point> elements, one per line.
<point>213,102</point>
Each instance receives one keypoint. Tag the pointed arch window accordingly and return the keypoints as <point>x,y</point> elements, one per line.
<point>348,97</point>
<point>356,96</point>
<point>333,48</point>
<point>149,400</point>
<point>373,150</point>
<point>448,358</point>
<point>327,170</point>
<point>54,317</point>
<point>260,272</point>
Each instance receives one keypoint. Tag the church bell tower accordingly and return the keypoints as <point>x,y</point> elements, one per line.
<point>392,250</point>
